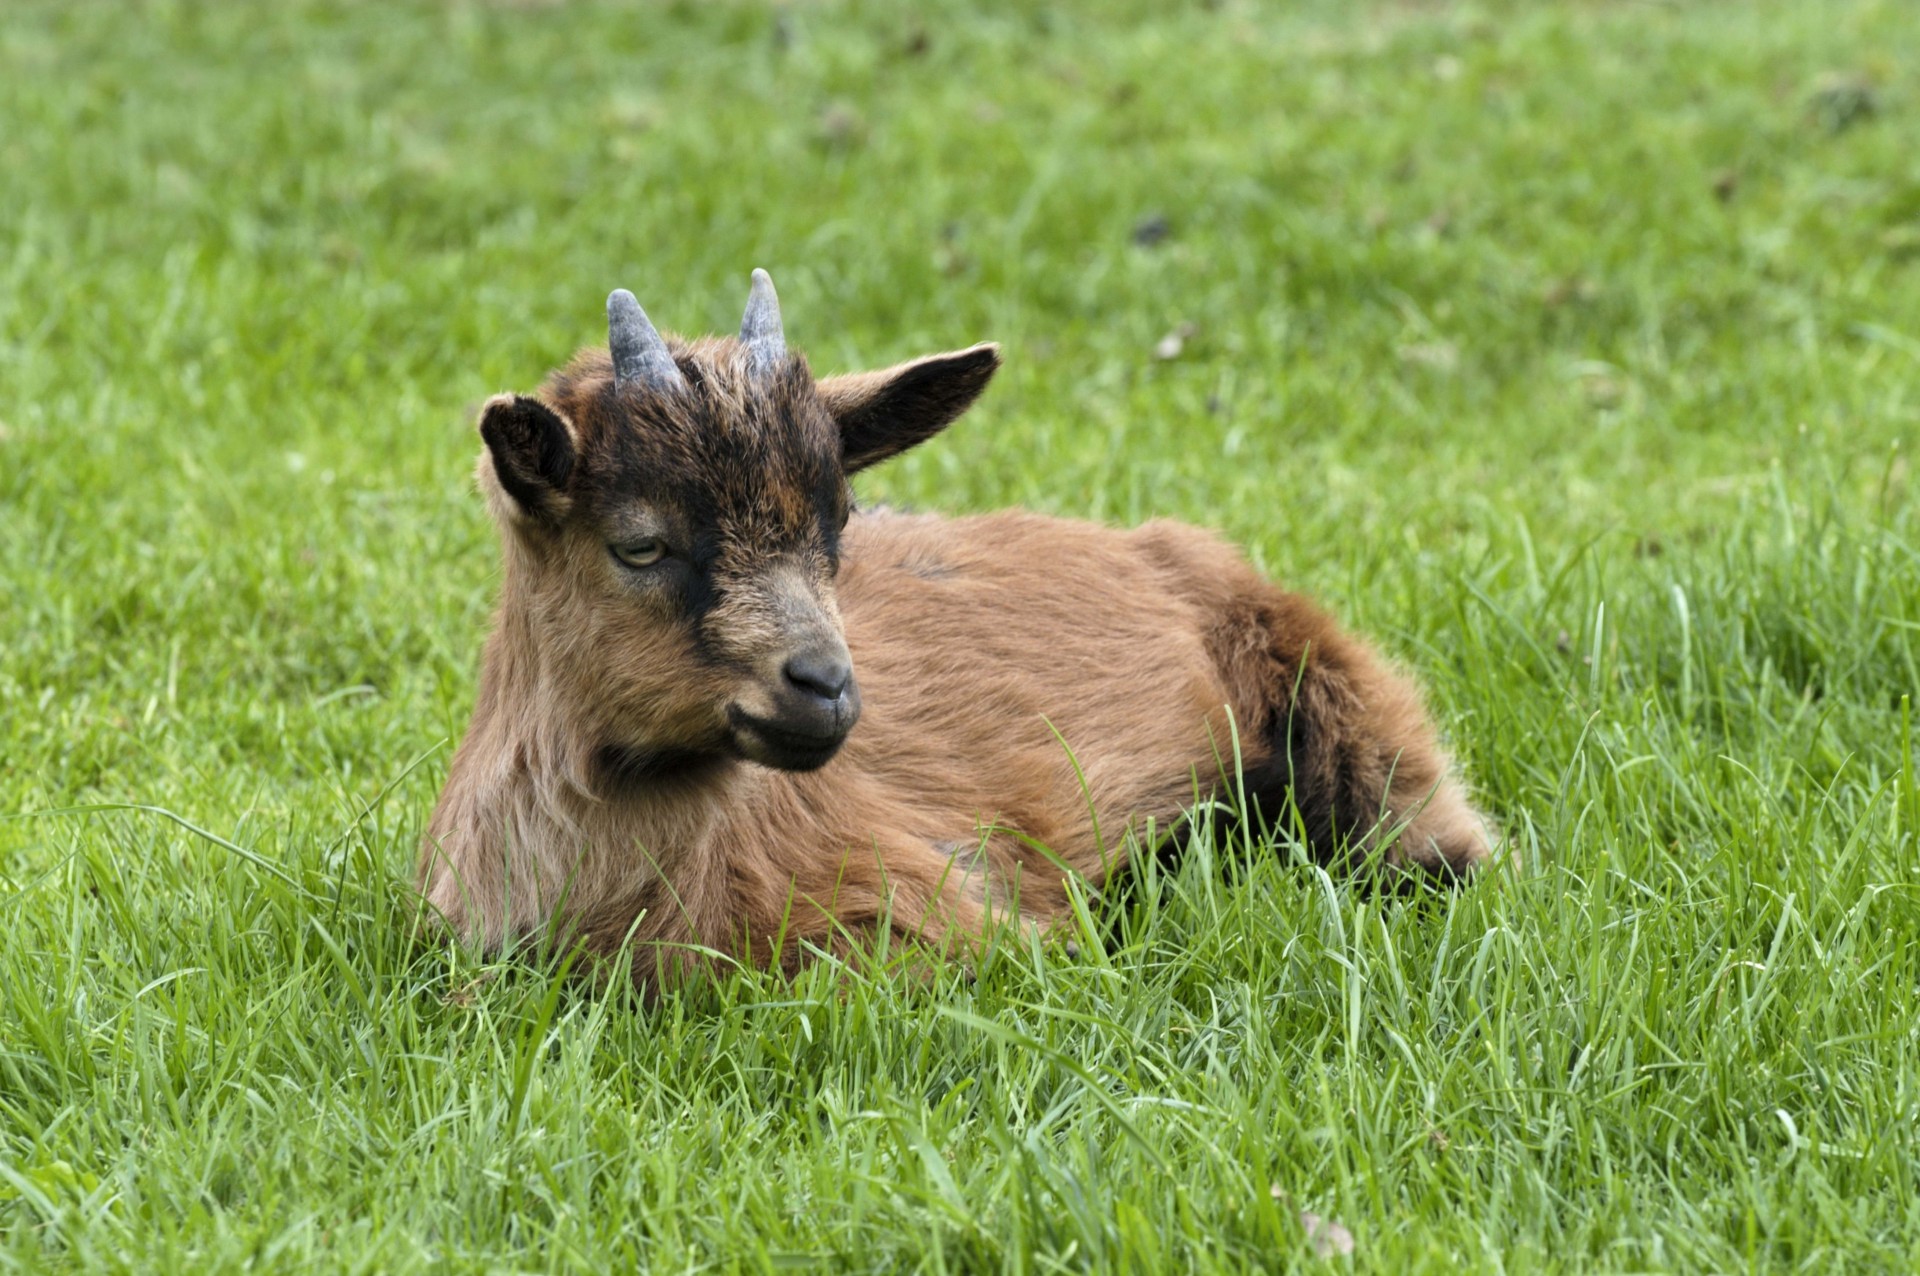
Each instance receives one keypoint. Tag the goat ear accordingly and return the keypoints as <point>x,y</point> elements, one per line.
<point>532,453</point>
<point>882,414</point>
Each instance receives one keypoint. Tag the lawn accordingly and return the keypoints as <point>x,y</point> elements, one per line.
<point>1572,350</point>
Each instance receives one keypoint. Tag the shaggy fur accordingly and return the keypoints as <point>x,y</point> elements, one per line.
<point>607,791</point>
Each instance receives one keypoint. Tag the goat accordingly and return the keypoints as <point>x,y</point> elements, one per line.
<point>664,762</point>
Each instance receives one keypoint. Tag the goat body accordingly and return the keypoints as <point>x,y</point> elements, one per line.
<point>664,758</point>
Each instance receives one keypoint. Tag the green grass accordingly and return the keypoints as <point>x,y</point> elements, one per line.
<point>1573,350</point>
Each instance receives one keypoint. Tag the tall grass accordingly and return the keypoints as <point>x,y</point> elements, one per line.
<point>1572,350</point>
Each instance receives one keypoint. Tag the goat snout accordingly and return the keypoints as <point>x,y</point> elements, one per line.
<point>808,714</point>
<point>825,674</point>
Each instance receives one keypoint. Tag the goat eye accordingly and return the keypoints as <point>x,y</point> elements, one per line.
<point>640,553</point>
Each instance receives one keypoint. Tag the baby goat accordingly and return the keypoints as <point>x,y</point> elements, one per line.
<point>722,712</point>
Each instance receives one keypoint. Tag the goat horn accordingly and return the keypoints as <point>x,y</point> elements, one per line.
<point>760,329</point>
<point>638,352</point>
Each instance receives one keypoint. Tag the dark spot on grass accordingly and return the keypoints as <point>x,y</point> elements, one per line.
<point>1151,230</point>
<point>1840,100</point>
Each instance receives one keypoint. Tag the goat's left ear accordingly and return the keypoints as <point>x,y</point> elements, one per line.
<point>531,449</point>
<point>882,414</point>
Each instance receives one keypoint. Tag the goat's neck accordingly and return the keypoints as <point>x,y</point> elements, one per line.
<point>558,740</point>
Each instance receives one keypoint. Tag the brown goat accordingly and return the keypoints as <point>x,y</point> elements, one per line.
<point>664,752</point>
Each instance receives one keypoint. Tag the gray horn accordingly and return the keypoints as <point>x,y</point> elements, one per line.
<point>760,330</point>
<point>639,355</point>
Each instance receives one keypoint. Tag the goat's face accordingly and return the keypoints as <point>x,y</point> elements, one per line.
<point>675,511</point>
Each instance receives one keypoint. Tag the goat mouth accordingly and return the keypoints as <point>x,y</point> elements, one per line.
<point>771,744</point>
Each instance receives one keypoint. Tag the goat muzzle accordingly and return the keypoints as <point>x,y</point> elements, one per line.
<point>814,706</point>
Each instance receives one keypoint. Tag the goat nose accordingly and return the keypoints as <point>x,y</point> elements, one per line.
<point>822,673</point>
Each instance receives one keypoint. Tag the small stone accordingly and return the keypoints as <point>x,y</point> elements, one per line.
<point>1326,1238</point>
<point>1170,346</point>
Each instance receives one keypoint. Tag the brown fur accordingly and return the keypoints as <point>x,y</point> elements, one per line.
<point>598,791</point>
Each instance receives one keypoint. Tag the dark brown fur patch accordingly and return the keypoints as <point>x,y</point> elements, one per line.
<point>759,455</point>
<point>531,451</point>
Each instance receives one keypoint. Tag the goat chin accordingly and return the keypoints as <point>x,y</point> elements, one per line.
<point>770,746</point>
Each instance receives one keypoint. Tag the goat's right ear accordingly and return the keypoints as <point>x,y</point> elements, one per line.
<point>882,414</point>
<point>532,453</point>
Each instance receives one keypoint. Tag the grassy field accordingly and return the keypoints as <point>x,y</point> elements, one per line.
<point>1571,349</point>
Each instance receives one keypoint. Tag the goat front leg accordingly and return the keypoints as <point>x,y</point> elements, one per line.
<point>906,887</point>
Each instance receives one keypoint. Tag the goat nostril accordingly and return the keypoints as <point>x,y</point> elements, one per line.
<point>825,676</point>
